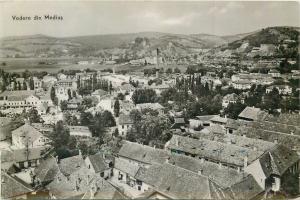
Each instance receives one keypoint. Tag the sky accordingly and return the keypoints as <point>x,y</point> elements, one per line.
<point>181,17</point>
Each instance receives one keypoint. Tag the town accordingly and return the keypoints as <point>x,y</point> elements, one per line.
<point>158,116</point>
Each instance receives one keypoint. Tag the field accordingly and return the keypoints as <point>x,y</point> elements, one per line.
<point>53,65</point>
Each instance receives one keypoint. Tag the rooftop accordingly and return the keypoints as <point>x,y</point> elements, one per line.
<point>177,182</point>
<point>213,150</point>
<point>143,153</point>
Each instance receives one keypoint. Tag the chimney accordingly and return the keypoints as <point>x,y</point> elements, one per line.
<point>238,169</point>
<point>220,165</point>
<point>245,161</point>
<point>56,159</point>
<point>103,156</point>
<point>202,160</point>
<point>79,152</point>
<point>167,160</point>
<point>200,172</point>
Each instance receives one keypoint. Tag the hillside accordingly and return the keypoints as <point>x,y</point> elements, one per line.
<point>272,35</point>
<point>135,45</point>
<point>36,45</point>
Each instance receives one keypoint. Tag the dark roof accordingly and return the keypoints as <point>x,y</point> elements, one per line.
<point>248,188</point>
<point>291,141</point>
<point>177,182</point>
<point>205,117</point>
<point>278,160</point>
<point>126,166</point>
<point>46,170</point>
<point>179,120</point>
<point>13,186</point>
<point>252,113</point>
<point>64,187</point>
<point>218,151</point>
<point>143,153</point>
<point>71,164</point>
<point>223,176</point>
<point>18,95</point>
<point>98,162</point>
<point>241,141</point>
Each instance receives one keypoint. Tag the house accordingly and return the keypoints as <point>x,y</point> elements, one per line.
<point>100,164</point>
<point>274,73</point>
<point>126,106</point>
<point>82,131</point>
<point>125,124</point>
<point>73,104</point>
<point>152,106</point>
<point>82,183</point>
<point>14,188</point>
<point>179,122</point>
<point>204,120</point>
<point>28,137</point>
<point>142,155</point>
<point>25,158</point>
<point>5,128</point>
<point>241,84</point>
<point>272,168</point>
<point>282,89</point>
<point>46,171</point>
<point>225,154</point>
<point>63,87</point>
<point>37,82</point>
<point>177,183</point>
<point>124,172</point>
<point>19,99</point>
<point>217,120</point>
<point>251,114</point>
<point>100,94</point>
<point>229,98</point>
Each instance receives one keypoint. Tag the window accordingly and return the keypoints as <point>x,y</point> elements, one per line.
<point>102,174</point>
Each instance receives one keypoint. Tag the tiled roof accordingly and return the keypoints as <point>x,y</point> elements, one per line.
<point>126,166</point>
<point>71,164</point>
<point>248,188</point>
<point>98,162</point>
<point>251,113</point>
<point>179,183</point>
<point>13,187</point>
<point>27,131</point>
<point>47,170</point>
<point>278,160</point>
<point>205,117</point>
<point>82,179</point>
<point>223,176</point>
<point>221,152</point>
<point>18,95</point>
<point>219,119</point>
<point>143,153</point>
<point>250,143</point>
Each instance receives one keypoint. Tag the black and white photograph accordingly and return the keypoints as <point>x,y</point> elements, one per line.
<point>149,99</point>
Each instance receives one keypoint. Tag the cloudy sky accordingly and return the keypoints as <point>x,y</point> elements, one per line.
<point>96,17</point>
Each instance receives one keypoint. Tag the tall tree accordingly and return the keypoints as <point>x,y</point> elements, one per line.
<point>117,108</point>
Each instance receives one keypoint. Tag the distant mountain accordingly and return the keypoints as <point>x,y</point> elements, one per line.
<point>270,35</point>
<point>137,44</point>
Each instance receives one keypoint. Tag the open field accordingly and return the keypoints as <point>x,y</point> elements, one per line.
<point>53,65</point>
